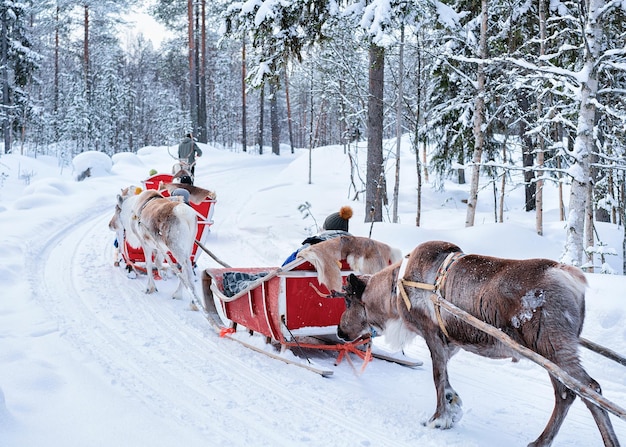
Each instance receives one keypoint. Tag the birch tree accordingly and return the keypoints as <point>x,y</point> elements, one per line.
<point>592,13</point>
<point>479,119</point>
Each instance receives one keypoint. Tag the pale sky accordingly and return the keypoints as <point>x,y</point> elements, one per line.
<point>141,22</point>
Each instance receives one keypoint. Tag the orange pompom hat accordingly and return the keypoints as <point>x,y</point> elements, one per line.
<point>338,221</point>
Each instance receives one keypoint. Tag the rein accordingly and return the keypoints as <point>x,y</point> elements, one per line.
<point>436,288</point>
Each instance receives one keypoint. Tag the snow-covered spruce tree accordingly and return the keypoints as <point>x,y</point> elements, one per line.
<point>134,96</point>
<point>18,62</point>
<point>279,33</point>
<point>451,91</point>
<point>476,102</point>
<point>188,20</point>
<point>381,22</point>
<point>341,61</point>
<point>421,38</point>
<point>281,30</point>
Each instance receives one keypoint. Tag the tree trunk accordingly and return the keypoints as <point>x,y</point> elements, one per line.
<point>528,157</point>
<point>418,211</point>
<point>611,183</point>
<point>289,120</point>
<point>87,73</point>
<point>479,119</point>
<point>542,145</point>
<point>500,217</point>
<point>416,141</point>
<point>396,186</point>
<point>311,107</point>
<point>622,211</point>
<point>375,187</point>
<point>56,64</point>
<point>584,142</point>
<point>274,128</point>
<point>425,163</point>
<point>261,116</point>
<point>589,230</point>
<point>6,128</point>
<point>202,94</point>
<point>244,112</point>
<point>191,49</point>
<point>86,54</point>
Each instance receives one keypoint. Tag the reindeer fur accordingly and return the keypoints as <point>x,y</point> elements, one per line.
<point>159,226</point>
<point>362,254</point>
<point>539,303</point>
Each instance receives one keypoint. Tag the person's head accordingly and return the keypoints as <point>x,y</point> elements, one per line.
<point>189,135</point>
<point>182,193</point>
<point>338,221</point>
<point>186,179</point>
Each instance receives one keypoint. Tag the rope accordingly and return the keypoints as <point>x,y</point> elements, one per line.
<point>282,320</point>
<point>210,253</point>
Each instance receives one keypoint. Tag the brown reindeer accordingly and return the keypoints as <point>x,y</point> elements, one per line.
<point>539,303</point>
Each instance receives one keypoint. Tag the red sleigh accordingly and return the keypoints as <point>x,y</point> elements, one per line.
<point>204,209</point>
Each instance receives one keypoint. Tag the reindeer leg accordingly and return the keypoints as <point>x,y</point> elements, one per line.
<point>601,417</point>
<point>563,399</point>
<point>188,281</point>
<point>185,276</point>
<point>178,293</point>
<point>148,253</point>
<point>449,403</point>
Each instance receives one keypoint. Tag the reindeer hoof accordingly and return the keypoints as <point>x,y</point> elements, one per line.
<point>444,422</point>
<point>452,413</point>
<point>193,306</point>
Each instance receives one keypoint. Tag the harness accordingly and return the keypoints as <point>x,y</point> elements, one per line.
<point>144,204</point>
<point>436,288</point>
<point>137,215</point>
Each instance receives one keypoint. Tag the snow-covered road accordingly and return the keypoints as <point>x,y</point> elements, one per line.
<point>122,368</point>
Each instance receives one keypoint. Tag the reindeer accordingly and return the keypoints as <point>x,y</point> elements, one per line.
<point>164,228</point>
<point>539,303</point>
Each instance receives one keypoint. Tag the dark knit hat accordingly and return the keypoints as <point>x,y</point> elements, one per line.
<point>338,221</point>
<point>186,180</point>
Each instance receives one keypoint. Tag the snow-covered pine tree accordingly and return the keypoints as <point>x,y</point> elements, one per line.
<point>18,62</point>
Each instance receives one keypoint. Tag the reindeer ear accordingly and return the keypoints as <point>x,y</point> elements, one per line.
<point>357,285</point>
<point>352,279</point>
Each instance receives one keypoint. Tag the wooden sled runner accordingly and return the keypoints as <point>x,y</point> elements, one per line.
<point>286,305</point>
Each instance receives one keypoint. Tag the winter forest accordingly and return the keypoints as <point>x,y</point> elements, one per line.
<point>485,89</point>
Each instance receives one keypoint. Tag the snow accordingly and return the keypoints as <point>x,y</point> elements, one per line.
<point>86,358</point>
<point>98,163</point>
<point>446,15</point>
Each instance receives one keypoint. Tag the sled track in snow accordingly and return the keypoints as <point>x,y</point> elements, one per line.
<point>168,357</point>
